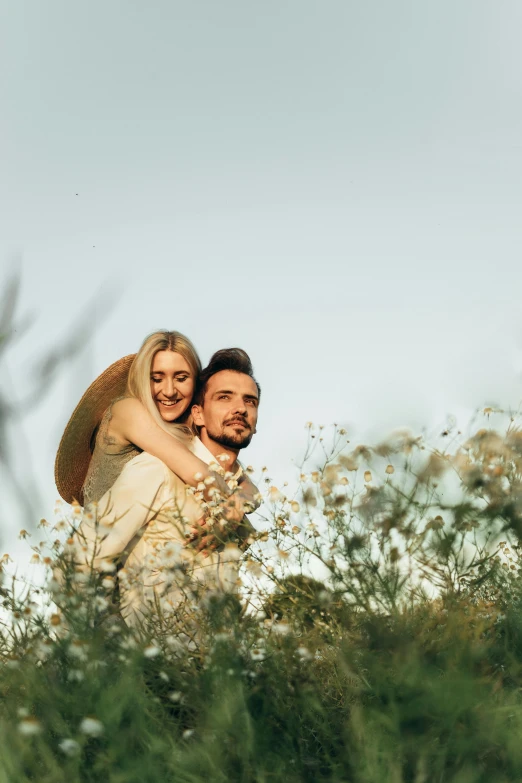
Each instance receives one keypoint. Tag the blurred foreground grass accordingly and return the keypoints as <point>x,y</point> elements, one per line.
<point>377,637</point>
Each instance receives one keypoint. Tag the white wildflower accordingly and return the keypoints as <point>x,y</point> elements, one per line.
<point>170,553</point>
<point>96,664</point>
<point>231,552</point>
<point>151,651</point>
<point>54,585</point>
<point>281,628</point>
<point>43,649</point>
<point>258,654</point>
<point>107,565</point>
<point>123,577</point>
<point>29,727</point>
<point>69,746</point>
<point>78,649</point>
<point>92,727</point>
<point>129,643</point>
<point>275,495</point>
<point>175,644</point>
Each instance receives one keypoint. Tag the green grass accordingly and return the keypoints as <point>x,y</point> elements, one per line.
<point>378,638</point>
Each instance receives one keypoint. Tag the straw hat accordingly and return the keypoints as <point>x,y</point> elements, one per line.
<point>74,452</point>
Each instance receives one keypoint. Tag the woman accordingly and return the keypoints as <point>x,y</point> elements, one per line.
<point>140,403</point>
<point>136,507</point>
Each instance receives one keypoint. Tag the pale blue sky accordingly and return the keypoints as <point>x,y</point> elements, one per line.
<point>334,186</point>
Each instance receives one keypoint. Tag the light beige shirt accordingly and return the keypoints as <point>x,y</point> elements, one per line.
<point>144,520</point>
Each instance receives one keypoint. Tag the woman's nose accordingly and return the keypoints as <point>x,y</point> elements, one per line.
<point>168,387</point>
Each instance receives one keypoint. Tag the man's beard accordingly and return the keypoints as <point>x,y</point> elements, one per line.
<point>237,441</point>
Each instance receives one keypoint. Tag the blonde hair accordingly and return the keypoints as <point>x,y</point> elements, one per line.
<point>138,384</point>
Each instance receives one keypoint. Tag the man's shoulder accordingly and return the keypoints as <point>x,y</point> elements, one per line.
<point>200,450</point>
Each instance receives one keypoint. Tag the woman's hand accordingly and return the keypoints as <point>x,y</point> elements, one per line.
<point>224,521</point>
<point>200,540</point>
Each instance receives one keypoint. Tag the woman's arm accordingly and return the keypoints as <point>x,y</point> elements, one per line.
<point>132,422</point>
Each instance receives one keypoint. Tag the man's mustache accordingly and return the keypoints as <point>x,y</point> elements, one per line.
<point>238,420</point>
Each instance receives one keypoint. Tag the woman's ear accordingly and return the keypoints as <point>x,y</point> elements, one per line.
<point>197,415</point>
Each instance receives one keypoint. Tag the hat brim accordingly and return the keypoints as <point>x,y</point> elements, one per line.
<point>74,452</point>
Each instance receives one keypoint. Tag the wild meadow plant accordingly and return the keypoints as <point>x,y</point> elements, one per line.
<point>374,633</point>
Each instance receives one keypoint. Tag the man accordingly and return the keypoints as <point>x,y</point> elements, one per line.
<point>225,414</point>
<point>156,527</point>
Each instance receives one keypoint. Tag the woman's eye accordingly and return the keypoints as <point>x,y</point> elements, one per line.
<point>156,380</point>
<point>182,379</point>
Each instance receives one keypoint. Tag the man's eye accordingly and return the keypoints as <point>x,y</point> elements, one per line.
<point>223,397</point>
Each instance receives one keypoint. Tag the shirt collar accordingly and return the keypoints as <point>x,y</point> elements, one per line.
<point>199,449</point>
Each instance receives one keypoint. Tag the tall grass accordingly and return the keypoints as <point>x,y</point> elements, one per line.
<point>376,636</point>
